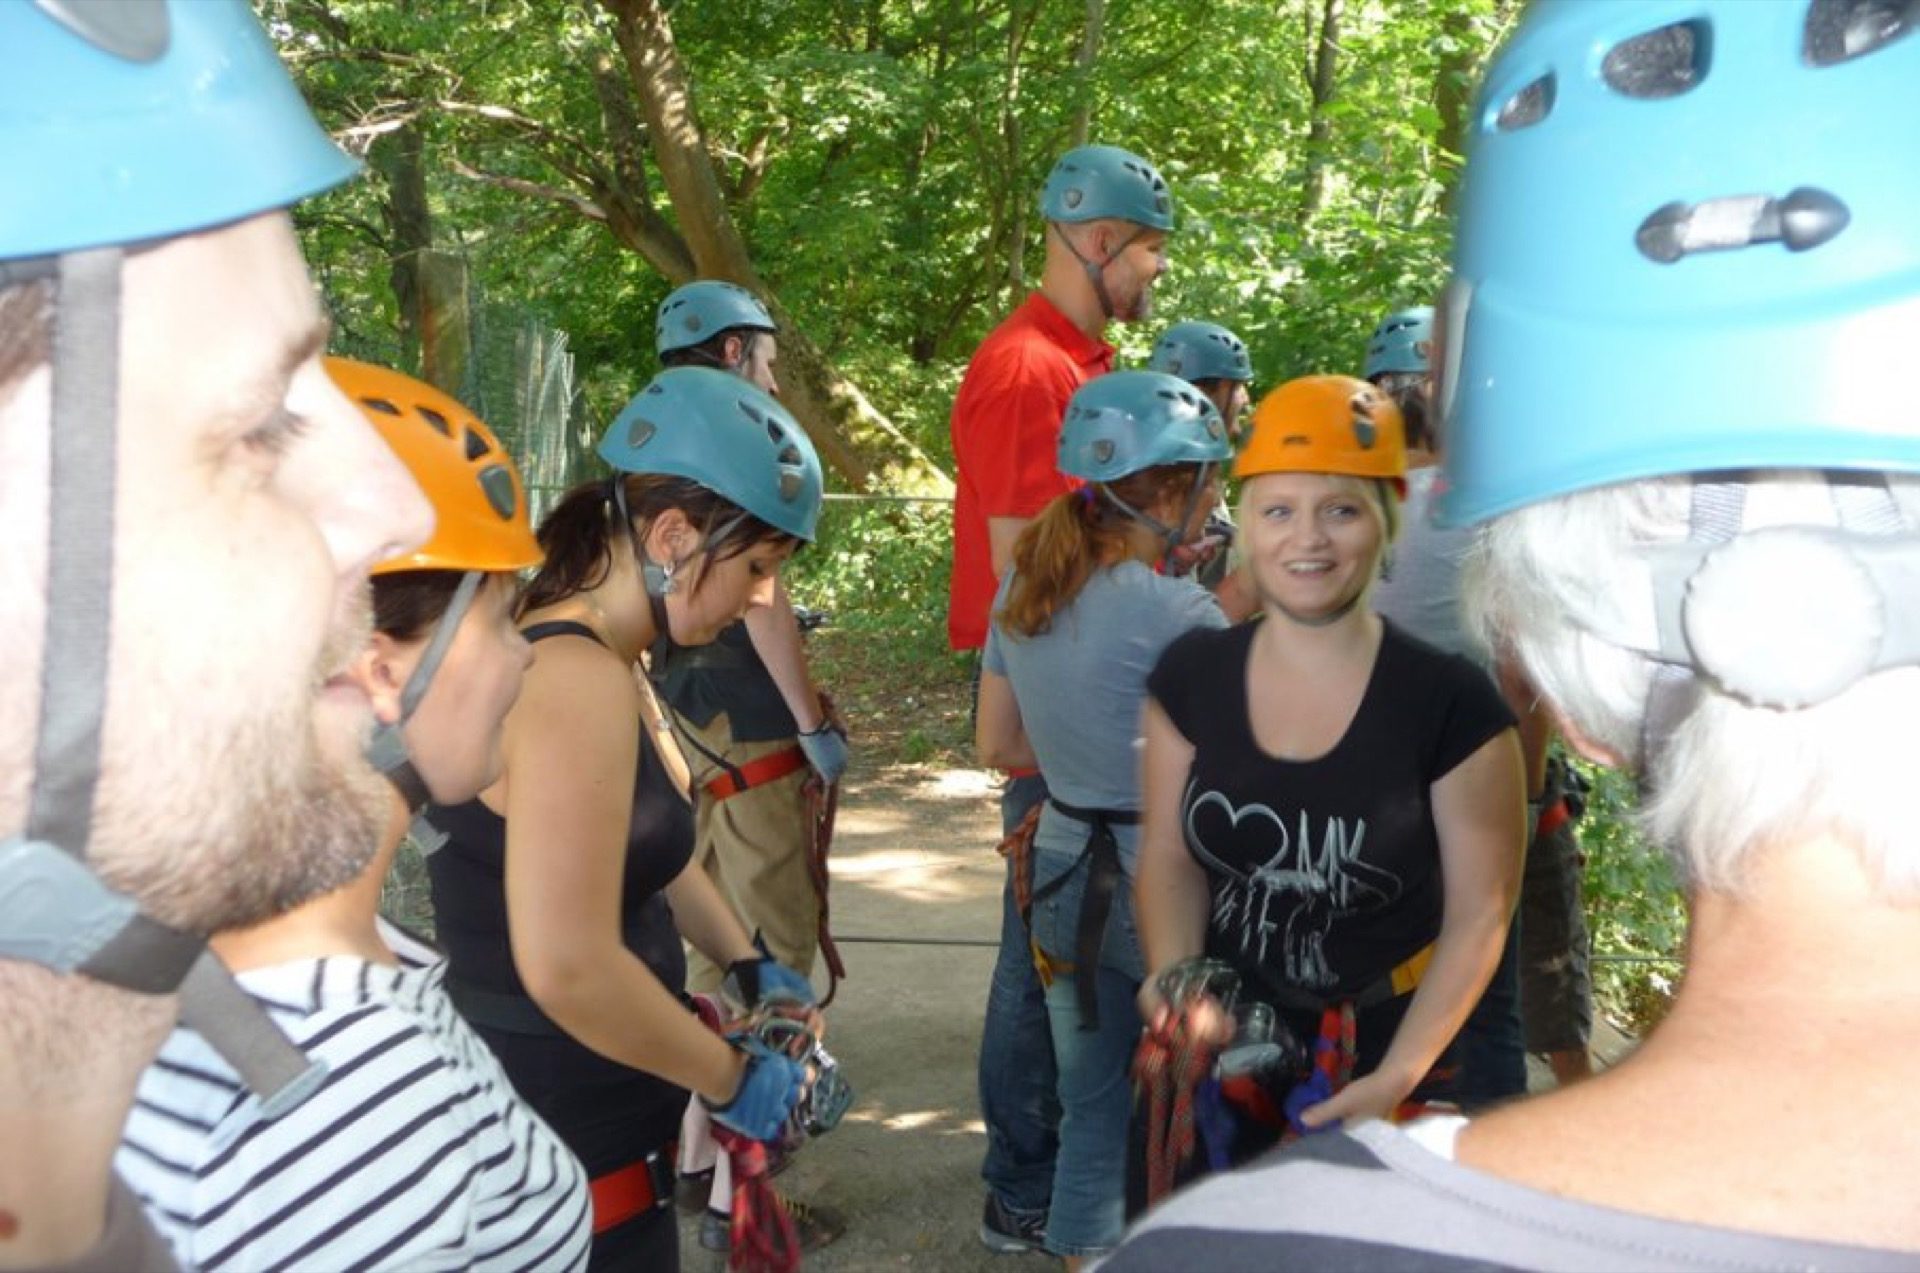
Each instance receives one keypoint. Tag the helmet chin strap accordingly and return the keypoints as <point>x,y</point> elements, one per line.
<point>656,578</point>
<point>55,911</point>
<point>387,749</point>
<point>1097,273</point>
<point>1170,536</point>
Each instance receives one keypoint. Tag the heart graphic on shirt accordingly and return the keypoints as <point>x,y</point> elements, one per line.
<point>1235,841</point>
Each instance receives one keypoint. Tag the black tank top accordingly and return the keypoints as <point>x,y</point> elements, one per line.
<point>609,1114</point>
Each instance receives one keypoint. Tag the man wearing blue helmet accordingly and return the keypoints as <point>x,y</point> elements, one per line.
<point>1541,996</point>
<point>752,721</point>
<point>1421,593</point>
<point>1214,361</point>
<point>757,724</point>
<point>189,509</point>
<point>1108,213</point>
<point>1707,565</point>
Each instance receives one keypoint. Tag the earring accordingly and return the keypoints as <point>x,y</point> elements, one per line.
<point>666,579</point>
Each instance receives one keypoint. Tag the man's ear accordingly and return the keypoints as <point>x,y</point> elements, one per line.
<point>733,348</point>
<point>380,670</point>
<point>1586,747</point>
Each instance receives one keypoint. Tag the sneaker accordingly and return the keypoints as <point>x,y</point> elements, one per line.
<point>1005,1232</point>
<point>815,1225</point>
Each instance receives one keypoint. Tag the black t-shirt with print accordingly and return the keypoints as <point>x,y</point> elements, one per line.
<point>1324,874</point>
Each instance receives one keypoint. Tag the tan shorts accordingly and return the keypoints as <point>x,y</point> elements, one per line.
<point>753,846</point>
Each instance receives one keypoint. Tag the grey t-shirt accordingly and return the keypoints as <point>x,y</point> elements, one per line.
<point>1082,683</point>
<point>1421,592</point>
<point>1373,1199</point>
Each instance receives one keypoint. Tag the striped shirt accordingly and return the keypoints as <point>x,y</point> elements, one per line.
<point>415,1153</point>
<point>1376,1198</point>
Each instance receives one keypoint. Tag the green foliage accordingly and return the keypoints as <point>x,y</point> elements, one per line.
<point>1635,908</point>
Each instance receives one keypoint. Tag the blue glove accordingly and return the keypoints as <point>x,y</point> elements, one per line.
<point>749,981</point>
<point>769,1089</point>
<point>826,749</point>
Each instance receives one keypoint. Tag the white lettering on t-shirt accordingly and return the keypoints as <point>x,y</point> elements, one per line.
<point>1295,890</point>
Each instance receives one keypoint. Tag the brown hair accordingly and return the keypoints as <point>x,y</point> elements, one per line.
<point>26,329</point>
<point>1077,533</point>
<point>407,603</point>
<point>712,352</point>
<point>577,534</point>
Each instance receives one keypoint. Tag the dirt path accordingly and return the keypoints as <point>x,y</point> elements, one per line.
<point>916,900</point>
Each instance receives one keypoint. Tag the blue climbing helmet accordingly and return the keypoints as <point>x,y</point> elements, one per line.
<point>1126,421</point>
<point>1400,344</point>
<point>699,311</point>
<point>716,429</point>
<point>1686,242</point>
<point>1201,351</point>
<point>144,119</point>
<point>1093,182</point>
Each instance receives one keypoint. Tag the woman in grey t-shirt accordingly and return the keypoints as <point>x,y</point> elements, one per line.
<point>1078,623</point>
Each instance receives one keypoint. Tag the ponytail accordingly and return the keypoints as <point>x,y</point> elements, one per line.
<point>1073,536</point>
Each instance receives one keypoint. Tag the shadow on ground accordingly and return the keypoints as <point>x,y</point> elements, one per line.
<point>916,904</point>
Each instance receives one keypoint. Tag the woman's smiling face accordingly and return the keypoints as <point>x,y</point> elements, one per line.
<point>1312,541</point>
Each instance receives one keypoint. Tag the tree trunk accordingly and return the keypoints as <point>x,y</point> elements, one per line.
<point>843,424</point>
<point>429,287</point>
<point>1084,63</point>
<point>397,157</point>
<point>1322,82</point>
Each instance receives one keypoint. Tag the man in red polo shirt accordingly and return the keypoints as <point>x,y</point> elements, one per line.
<point>1108,213</point>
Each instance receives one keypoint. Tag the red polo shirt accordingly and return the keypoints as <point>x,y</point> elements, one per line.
<point>1006,434</point>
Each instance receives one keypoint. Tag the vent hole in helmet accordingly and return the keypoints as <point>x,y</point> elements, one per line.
<point>476,445</point>
<point>1527,107</point>
<point>1664,62</point>
<point>497,483</point>
<point>1842,30</point>
<point>381,405</point>
<point>437,420</point>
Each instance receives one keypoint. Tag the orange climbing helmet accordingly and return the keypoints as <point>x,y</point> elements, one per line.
<point>479,502</point>
<point>1327,424</point>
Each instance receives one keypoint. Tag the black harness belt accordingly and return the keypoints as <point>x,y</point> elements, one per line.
<point>1101,857</point>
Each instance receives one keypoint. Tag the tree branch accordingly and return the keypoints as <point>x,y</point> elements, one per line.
<point>533,189</point>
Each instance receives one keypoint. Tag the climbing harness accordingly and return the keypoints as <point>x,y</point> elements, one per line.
<point>1105,874</point>
<point>1171,1064</point>
<point>763,1237</point>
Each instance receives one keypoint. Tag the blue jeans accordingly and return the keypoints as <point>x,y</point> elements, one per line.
<point>1018,1101</point>
<point>1096,1097</point>
<point>1493,1050</point>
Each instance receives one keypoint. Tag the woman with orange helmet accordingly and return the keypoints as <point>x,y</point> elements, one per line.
<point>1332,808</point>
<point>414,1131</point>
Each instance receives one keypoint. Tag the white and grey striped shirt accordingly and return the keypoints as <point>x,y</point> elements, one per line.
<point>1375,1199</point>
<point>416,1153</point>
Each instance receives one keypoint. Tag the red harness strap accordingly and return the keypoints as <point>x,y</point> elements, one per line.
<point>770,767</point>
<point>620,1195</point>
<point>1552,818</point>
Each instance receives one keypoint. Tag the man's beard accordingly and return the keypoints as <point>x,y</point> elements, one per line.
<point>243,820</point>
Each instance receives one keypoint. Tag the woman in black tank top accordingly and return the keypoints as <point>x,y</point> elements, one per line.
<point>563,890</point>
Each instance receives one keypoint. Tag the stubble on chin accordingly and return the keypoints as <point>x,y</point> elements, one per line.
<point>234,822</point>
